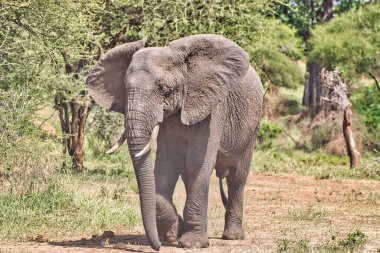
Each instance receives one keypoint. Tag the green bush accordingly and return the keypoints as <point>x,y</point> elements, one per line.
<point>268,132</point>
<point>293,246</point>
<point>278,68</point>
<point>321,136</point>
<point>352,243</point>
<point>366,101</point>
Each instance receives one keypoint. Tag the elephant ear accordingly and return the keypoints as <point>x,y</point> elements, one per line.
<point>213,64</point>
<point>106,81</point>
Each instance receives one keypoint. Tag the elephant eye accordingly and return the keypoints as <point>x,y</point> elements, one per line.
<point>162,89</point>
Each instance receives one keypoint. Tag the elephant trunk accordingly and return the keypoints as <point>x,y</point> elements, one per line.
<point>139,128</point>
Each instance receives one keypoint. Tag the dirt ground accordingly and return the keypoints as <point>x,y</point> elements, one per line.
<point>277,207</point>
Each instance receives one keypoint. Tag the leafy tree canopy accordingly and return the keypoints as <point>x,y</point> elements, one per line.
<point>303,14</point>
<point>350,42</point>
<point>47,46</point>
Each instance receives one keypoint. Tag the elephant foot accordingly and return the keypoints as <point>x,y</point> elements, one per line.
<point>235,233</point>
<point>192,240</point>
<point>171,233</point>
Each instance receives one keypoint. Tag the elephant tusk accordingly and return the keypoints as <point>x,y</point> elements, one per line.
<point>120,142</point>
<point>152,140</point>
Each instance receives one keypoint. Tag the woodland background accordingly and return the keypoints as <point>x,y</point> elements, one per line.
<point>53,137</point>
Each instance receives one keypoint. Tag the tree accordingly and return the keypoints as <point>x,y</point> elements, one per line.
<point>57,41</point>
<point>351,43</point>
<point>276,62</point>
<point>305,14</point>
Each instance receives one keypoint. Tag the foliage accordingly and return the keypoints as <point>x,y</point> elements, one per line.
<point>352,243</point>
<point>64,207</point>
<point>350,42</point>
<point>276,61</point>
<point>303,14</point>
<point>296,246</point>
<point>278,68</point>
<point>366,101</point>
<point>317,164</point>
<point>240,21</point>
<point>321,135</point>
<point>46,47</point>
<point>34,46</point>
<point>311,213</point>
<point>287,41</point>
<point>267,132</point>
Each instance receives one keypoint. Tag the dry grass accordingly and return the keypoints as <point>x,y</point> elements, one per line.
<point>281,212</point>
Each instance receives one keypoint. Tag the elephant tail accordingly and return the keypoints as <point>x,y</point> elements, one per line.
<point>222,193</point>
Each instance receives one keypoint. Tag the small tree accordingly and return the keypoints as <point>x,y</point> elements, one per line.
<point>337,95</point>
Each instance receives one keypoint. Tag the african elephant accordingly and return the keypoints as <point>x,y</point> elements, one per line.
<point>202,101</point>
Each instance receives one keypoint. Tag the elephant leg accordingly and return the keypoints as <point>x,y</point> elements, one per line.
<point>236,181</point>
<point>200,161</point>
<point>169,223</point>
<point>195,211</point>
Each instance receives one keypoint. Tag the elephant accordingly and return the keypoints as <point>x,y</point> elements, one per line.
<point>201,101</point>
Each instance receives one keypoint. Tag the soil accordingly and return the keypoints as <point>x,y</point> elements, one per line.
<point>277,207</point>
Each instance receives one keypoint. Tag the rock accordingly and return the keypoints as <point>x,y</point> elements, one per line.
<point>108,234</point>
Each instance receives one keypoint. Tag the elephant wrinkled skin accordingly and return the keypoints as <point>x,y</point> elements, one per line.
<point>202,101</point>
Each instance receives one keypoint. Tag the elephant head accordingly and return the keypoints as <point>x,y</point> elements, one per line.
<point>190,76</point>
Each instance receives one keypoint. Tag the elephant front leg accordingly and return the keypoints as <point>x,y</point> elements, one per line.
<point>195,212</point>
<point>168,164</point>
<point>200,161</point>
<point>169,223</point>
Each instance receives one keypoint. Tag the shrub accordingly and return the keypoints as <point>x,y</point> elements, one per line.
<point>366,101</point>
<point>293,246</point>
<point>321,135</point>
<point>352,243</point>
<point>268,131</point>
<point>278,68</point>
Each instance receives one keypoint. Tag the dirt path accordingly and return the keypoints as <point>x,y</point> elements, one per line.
<point>277,207</point>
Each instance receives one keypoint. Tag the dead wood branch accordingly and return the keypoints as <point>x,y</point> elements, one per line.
<point>337,94</point>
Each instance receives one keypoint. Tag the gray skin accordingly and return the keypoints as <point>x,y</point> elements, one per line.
<point>207,100</point>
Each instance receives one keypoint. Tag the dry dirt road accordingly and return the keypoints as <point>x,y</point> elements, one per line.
<point>277,207</point>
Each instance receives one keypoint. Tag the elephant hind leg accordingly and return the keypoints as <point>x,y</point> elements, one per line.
<point>236,181</point>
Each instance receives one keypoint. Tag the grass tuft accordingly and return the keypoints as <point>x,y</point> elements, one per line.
<point>293,246</point>
<point>309,214</point>
<point>352,243</point>
<point>66,206</point>
<point>316,164</point>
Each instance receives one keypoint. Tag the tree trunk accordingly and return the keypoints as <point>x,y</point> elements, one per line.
<point>73,130</point>
<point>313,88</point>
<point>349,138</point>
<point>327,7</point>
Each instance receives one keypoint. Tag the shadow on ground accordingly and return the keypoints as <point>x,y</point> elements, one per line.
<point>122,242</point>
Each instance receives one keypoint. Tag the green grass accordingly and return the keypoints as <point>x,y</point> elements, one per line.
<point>293,246</point>
<point>309,214</point>
<point>353,242</point>
<point>68,205</point>
<point>317,164</point>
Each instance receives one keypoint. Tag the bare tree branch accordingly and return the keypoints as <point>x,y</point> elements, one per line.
<point>337,89</point>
